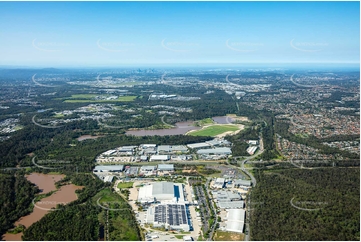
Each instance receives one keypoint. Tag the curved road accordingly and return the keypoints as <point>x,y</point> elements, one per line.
<point>259,152</point>
<point>254,181</point>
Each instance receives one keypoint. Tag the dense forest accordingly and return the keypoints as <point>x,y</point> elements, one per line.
<point>331,194</point>
<point>16,194</point>
<point>62,144</point>
<point>77,222</point>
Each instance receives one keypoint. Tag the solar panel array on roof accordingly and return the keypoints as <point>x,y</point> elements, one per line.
<point>160,213</point>
<point>172,214</point>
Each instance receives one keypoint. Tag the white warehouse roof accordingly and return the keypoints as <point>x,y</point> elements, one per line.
<point>242,182</point>
<point>235,220</point>
<point>235,226</point>
<point>147,168</point>
<point>166,167</point>
<point>161,191</point>
<point>109,168</point>
<point>159,157</point>
<point>236,214</point>
<point>222,150</point>
<point>163,188</point>
<point>198,145</point>
<point>232,205</point>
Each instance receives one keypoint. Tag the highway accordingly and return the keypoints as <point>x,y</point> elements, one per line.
<point>254,183</point>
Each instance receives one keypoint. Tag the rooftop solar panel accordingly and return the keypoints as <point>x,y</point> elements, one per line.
<point>173,214</point>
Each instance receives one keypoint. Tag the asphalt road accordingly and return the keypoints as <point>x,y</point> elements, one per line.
<point>254,183</point>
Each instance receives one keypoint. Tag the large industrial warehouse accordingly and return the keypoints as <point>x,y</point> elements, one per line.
<point>171,216</point>
<point>109,168</point>
<point>161,192</point>
<point>165,205</point>
<point>235,220</point>
<point>215,151</point>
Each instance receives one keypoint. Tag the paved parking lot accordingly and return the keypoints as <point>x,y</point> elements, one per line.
<point>162,236</point>
<point>228,172</point>
<point>141,217</point>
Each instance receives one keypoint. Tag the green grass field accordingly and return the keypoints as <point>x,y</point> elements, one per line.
<point>54,173</point>
<point>85,96</point>
<point>89,98</point>
<point>122,223</point>
<point>18,127</point>
<point>205,121</point>
<point>107,196</point>
<point>59,115</point>
<point>214,130</point>
<point>125,185</point>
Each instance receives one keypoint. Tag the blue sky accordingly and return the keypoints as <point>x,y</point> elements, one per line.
<point>137,33</point>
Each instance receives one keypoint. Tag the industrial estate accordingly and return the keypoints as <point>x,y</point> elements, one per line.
<point>140,155</point>
<point>165,201</point>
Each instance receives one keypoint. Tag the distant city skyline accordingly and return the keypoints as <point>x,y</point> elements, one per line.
<point>80,34</point>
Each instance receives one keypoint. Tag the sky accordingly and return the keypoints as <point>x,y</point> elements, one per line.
<point>53,34</point>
